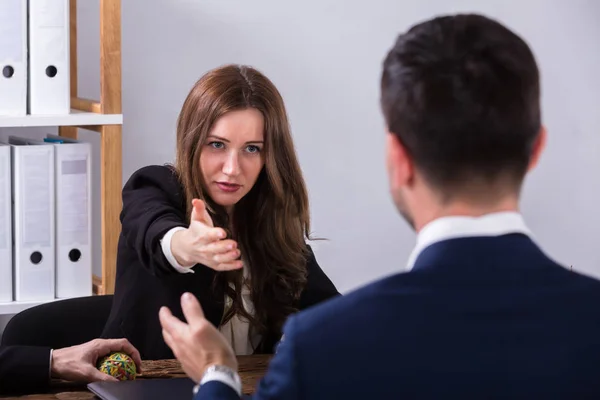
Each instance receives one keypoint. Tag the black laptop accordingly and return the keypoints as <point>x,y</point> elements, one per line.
<point>146,389</point>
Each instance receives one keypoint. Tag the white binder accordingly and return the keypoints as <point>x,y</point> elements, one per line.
<point>49,77</point>
<point>6,276</point>
<point>13,57</point>
<point>33,216</point>
<point>73,198</point>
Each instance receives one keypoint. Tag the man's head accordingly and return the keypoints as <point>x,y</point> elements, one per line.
<point>461,100</point>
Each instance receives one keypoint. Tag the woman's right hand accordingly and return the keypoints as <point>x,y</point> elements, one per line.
<point>202,243</point>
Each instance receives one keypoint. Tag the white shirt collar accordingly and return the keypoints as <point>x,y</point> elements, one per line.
<point>493,224</point>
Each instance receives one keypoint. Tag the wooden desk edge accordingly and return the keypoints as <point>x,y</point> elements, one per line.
<point>251,369</point>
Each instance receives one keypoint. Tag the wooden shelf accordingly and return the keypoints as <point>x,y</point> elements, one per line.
<point>103,116</point>
<point>75,118</point>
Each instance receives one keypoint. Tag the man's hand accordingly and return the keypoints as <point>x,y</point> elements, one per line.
<point>197,344</point>
<point>78,363</point>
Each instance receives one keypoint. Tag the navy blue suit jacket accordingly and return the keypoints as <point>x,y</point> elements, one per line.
<point>485,317</point>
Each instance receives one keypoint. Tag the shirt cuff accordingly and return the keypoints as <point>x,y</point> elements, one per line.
<point>165,244</point>
<point>209,376</point>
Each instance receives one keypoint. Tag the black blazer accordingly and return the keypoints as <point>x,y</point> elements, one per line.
<point>153,204</point>
<point>24,369</point>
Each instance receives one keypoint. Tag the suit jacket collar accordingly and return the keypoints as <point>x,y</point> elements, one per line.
<point>457,227</point>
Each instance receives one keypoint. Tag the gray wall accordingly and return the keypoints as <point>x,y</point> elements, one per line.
<point>325,57</point>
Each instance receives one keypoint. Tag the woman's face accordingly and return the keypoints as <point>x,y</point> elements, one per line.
<point>232,156</point>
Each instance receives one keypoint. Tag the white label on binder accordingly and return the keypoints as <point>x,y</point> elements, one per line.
<point>37,227</point>
<point>50,14</point>
<point>74,205</point>
<point>11,31</point>
<point>53,43</point>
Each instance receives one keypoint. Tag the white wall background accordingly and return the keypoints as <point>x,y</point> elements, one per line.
<point>325,57</point>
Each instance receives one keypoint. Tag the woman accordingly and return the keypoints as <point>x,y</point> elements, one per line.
<point>228,222</point>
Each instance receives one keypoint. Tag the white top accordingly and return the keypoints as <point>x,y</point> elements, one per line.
<point>237,329</point>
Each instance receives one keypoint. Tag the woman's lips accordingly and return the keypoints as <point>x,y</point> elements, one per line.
<point>228,187</point>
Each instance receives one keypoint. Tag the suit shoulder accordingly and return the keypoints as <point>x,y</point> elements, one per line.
<point>584,283</point>
<point>155,172</point>
<point>345,306</point>
<point>162,176</point>
<point>153,184</point>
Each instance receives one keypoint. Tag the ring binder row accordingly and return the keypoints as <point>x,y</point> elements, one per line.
<point>45,219</point>
<point>34,57</point>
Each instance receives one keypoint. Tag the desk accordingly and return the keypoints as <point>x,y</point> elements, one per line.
<point>251,369</point>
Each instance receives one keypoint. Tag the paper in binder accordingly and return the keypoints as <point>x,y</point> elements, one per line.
<point>49,57</point>
<point>73,217</point>
<point>13,57</point>
<point>33,220</point>
<point>6,276</point>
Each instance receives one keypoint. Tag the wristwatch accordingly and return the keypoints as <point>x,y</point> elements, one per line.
<point>222,374</point>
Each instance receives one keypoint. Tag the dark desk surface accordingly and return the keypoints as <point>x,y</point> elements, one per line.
<point>251,369</point>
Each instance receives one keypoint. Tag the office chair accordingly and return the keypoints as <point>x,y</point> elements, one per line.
<point>60,323</point>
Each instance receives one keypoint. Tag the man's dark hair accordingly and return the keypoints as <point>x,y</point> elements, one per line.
<point>461,93</point>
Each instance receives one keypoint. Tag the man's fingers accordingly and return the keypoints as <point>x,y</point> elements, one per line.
<point>94,375</point>
<point>170,323</point>
<point>168,339</point>
<point>191,309</point>
<point>137,358</point>
<point>123,345</point>
<point>128,348</point>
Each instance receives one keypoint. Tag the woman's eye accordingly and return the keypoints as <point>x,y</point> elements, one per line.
<point>216,145</point>
<point>253,149</point>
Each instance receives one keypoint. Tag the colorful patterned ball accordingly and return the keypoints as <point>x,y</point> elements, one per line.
<point>119,365</point>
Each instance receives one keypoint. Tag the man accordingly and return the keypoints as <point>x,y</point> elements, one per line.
<point>29,369</point>
<point>483,312</point>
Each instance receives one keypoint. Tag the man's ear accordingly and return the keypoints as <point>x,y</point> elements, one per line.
<point>399,163</point>
<point>538,147</point>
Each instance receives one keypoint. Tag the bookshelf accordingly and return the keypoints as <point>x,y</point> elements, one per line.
<point>104,117</point>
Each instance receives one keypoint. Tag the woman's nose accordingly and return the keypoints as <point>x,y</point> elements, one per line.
<point>231,166</point>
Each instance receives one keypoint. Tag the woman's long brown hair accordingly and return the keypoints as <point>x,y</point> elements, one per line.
<point>272,222</point>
